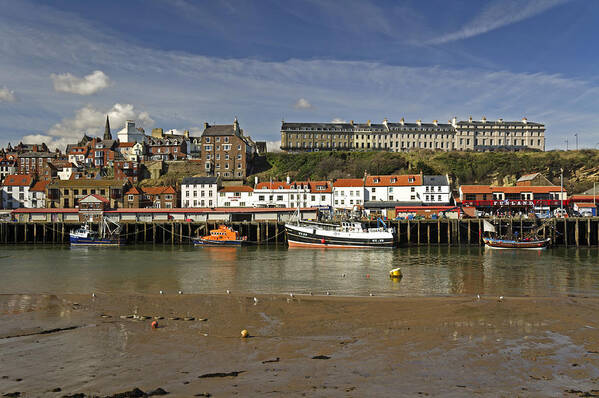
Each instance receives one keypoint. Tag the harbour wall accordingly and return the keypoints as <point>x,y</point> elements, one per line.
<point>565,232</point>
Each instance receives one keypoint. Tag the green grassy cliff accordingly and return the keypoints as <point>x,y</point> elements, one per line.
<point>581,168</point>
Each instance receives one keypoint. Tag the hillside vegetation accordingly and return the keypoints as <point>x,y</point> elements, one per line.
<point>581,168</point>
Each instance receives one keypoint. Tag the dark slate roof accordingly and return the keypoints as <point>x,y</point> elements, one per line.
<point>438,126</point>
<point>498,123</point>
<point>219,129</point>
<point>322,126</point>
<point>434,180</point>
<point>198,180</point>
<point>38,155</point>
<point>170,140</point>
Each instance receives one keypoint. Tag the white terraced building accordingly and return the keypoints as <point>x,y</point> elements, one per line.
<point>459,135</point>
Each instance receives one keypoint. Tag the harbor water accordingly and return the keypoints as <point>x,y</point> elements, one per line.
<point>427,271</point>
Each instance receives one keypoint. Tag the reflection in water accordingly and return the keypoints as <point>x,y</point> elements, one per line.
<point>431,270</point>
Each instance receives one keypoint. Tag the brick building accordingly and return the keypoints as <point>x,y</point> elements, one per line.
<point>151,197</point>
<point>38,164</point>
<point>226,152</point>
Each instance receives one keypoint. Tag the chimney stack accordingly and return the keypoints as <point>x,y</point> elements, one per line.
<point>484,119</point>
<point>402,121</point>
<point>436,122</point>
<point>419,122</point>
<point>206,125</point>
<point>470,119</point>
<point>524,120</point>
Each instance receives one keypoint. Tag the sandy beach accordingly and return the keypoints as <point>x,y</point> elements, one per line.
<point>298,346</point>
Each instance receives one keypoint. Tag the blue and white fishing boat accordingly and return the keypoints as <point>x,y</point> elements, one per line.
<point>107,236</point>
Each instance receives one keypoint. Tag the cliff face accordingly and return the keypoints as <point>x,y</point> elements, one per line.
<point>581,168</point>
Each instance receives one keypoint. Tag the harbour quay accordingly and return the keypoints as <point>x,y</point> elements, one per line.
<point>267,226</point>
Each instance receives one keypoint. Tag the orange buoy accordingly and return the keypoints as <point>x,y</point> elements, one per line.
<point>155,325</point>
<point>322,241</point>
<point>244,333</point>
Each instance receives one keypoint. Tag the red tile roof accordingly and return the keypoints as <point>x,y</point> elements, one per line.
<point>517,189</point>
<point>18,180</point>
<point>348,182</point>
<point>394,180</point>
<point>133,191</point>
<point>39,186</point>
<point>158,190</point>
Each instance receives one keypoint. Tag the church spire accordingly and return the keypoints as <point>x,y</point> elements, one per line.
<point>107,135</point>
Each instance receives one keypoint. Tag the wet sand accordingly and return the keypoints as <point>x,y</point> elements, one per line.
<point>299,346</point>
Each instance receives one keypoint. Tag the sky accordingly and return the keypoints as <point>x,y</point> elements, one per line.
<point>175,64</point>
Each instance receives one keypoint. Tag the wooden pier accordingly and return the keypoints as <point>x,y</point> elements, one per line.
<point>567,232</point>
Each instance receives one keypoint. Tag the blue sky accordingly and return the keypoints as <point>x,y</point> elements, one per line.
<point>176,64</point>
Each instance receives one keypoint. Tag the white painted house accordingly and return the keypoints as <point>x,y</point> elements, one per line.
<point>200,191</point>
<point>130,133</point>
<point>15,191</point>
<point>347,193</point>
<point>236,196</point>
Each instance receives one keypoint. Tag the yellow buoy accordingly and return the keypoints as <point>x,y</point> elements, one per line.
<point>395,273</point>
<point>244,333</point>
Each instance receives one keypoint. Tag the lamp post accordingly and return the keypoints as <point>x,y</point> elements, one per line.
<point>566,144</point>
<point>576,135</point>
<point>561,192</point>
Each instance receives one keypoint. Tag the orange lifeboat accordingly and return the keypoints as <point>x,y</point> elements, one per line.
<point>222,236</point>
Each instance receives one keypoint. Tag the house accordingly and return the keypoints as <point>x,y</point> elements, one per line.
<point>393,188</point>
<point>236,196</point>
<point>293,194</point>
<point>38,164</point>
<point>101,153</point>
<point>68,193</point>
<point>7,167</point>
<point>92,207</point>
<point>64,169</point>
<point>131,134</point>
<point>200,191</point>
<point>151,197</point>
<point>162,146</point>
<point>226,151</point>
<point>126,169</point>
<point>512,200</point>
<point>347,193</point>
<point>78,155</point>
<point>435,190</point>
<point>37,195</point>
<point>15,190</point>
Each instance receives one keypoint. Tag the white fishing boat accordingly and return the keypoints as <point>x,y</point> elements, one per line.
<point>108,235</point>
<point>343,235</point>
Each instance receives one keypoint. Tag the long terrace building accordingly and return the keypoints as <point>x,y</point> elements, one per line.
<point>474,135</point>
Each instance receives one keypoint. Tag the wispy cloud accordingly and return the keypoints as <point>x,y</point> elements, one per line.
<point>7,95</point>
<point>302,103</point>
<point>86,85</point>
<point>499,14</point>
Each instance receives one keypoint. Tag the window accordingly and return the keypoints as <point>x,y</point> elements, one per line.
<point>207,147</point>
<point>226,147</point>
<point>168,197</point>
<point>279,197</point>
<point>261,197</point>
<point>439,198</point>
<point>412,197</point>
<point>130,197</point>
<point>207,139</point>
<point>217,139</point>
<point>412,189</point>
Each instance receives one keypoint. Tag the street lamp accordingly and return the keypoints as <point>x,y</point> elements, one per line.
<point>576,135</point>
<point>561,191</point>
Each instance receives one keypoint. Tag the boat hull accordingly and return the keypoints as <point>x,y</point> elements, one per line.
<point>314,238</point>
<point>207,242</point>
<point>79,241</point>
<point>511,244</point>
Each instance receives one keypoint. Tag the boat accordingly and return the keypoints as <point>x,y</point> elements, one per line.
<point>108,235</point>
<point>344,235</point>
<point>222,236</point>
<point>531,241</point>
<point>494,243</point>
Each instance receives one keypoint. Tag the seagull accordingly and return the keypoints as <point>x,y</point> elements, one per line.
<point>343,275</point>
<point>371,294</point>
<point>228,291</point>
<point>478,296</point>
<point>180,291</point>
<point>311,294</point>
<point>94,295</point>
<point>500,298</point>
<point>161,292</point>
<point>328,294</point>
<point>291,295</point>
<point>255,300</point>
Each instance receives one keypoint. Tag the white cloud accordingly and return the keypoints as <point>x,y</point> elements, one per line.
<point>337,120</point>
<point>7,95</point>
<point>90,120</point>
<point>273,146</point>
<point>86,85</point>
<point>499,14</point>
<point>302,103</point>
